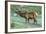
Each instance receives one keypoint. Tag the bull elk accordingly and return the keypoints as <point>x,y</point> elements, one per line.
<point>28,15</point>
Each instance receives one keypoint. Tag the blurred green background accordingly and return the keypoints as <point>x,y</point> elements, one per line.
<point>18,22</point>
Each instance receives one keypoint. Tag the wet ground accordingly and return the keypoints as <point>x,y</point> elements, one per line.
<point>19,22</point>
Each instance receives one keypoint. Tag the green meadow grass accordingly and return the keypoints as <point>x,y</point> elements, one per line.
<point>19,23</point>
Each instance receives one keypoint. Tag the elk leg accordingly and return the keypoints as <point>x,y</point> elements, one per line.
<point>28,20</point>
<point>35,21</point>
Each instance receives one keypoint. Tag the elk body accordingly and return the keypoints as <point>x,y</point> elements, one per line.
<point>28,15</point>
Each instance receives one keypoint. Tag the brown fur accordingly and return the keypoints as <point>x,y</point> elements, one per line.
<point>27,15</point>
